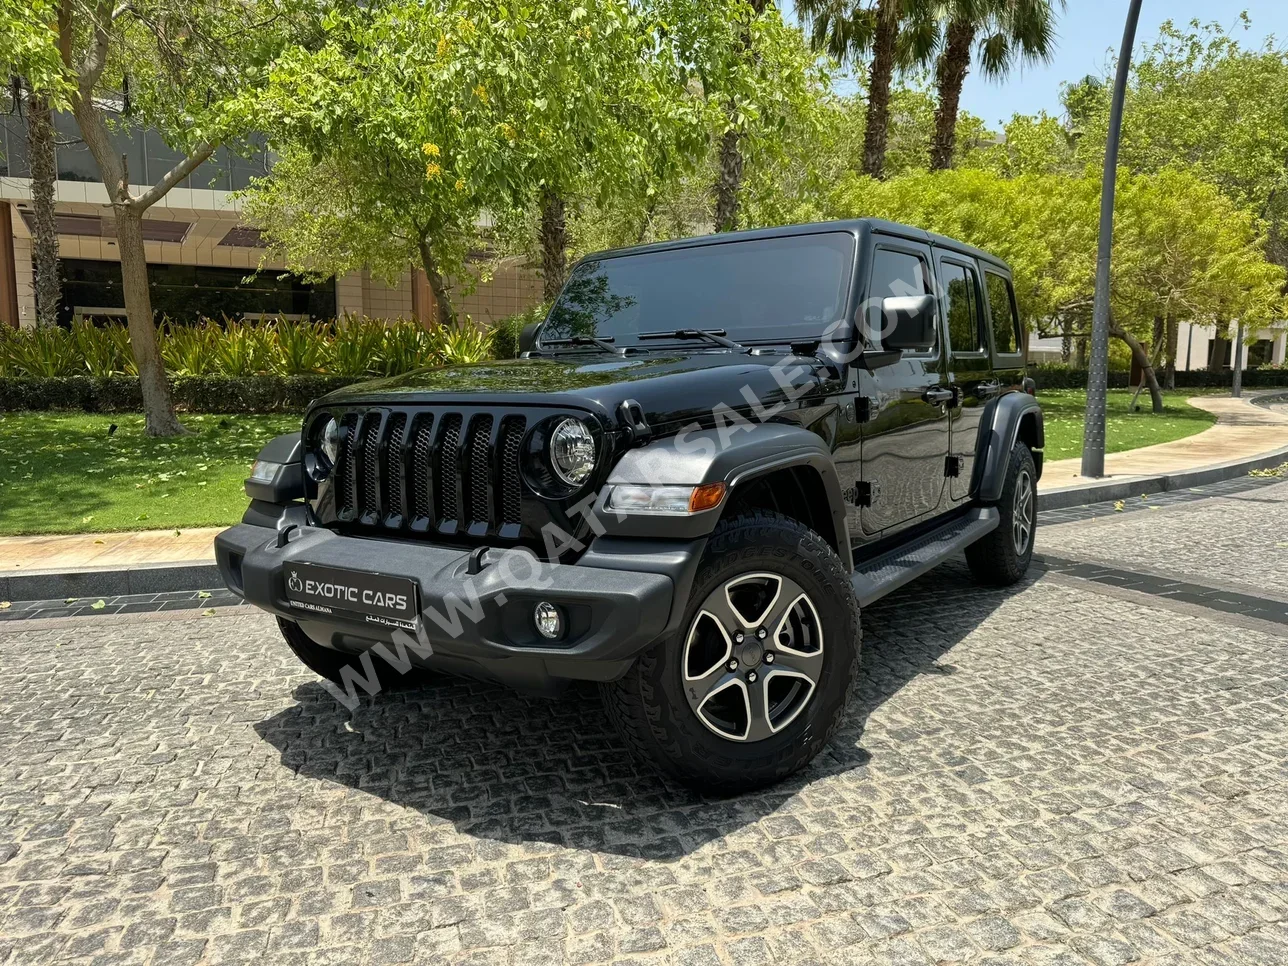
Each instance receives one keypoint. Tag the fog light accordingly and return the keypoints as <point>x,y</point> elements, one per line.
<point>549,620</point>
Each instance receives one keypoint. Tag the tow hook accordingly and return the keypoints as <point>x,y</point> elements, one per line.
<point>476,562</point>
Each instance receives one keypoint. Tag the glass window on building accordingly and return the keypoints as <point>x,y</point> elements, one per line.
<point>186,293</point>
<point>75,163</point>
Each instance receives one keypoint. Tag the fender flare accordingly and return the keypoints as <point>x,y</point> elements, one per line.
<point>997,439</point>
<point>733,457</point>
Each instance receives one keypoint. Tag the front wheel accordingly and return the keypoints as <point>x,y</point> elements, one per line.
<point>1002,557</point>
<point>756,682</point>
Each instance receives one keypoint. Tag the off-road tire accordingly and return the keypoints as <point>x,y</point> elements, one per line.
<point>326,663</point>
<point>322,661</point>
<point>649,707</point>
<point>994,559</point>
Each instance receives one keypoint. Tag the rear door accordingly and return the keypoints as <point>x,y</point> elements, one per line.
<point>905,436</point>
<point>970,372</point>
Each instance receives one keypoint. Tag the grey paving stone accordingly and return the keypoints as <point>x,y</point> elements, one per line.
<point>1042,775</point>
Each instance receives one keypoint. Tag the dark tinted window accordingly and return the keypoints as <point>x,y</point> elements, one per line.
<point>965,332</point>
<point>768,289</point>
<point>895,274</point>
<point>1006,327</point>
<point>184,293</point>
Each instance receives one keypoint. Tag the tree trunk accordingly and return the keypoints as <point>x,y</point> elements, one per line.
<point>1066,342</point>
<point>729,177</point>
<point>44,233</point>
<point>1142,359</point>
<point>554,244</point>
<point>728,181</point>
<point>437,285</point>
<point>950,74</point>
<point>877,126</point>
<point>1216,361</point>
<point>1169,369</point>
<point>1080,361</point>
<point>158,408</point>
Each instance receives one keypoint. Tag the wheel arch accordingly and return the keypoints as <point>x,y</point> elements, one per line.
<point>776,466</point>
<point>1017,416</point>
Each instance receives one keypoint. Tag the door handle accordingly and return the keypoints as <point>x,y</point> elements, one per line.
<point>985,389</point>
<point>939,396</point>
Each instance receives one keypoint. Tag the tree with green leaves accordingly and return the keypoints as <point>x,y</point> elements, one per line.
<point>1000,34</point>
<point>29,55</point>
<point>1181,250</point>
<point>897,34</point>
<point>754,75</point>
<point>412,131</point>
<point>190,68</point>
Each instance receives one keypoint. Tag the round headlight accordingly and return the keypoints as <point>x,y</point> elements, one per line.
<point>572,451</point>
<point>331,435</point>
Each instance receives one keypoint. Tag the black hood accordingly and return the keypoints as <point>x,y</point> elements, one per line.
<point>673,388</point>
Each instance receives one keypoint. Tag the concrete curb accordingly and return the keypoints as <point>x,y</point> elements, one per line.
<point>155,578</point>
<point>1128,486</point>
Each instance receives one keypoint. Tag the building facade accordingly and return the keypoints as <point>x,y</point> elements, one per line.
<point>202,260</point>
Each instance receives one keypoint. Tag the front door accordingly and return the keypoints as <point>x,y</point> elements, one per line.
<point>970,373</point>
<point>906,430</point>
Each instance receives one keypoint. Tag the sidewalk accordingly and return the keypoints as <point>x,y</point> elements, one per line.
<point>1242,430</point>
<point>58,552</point>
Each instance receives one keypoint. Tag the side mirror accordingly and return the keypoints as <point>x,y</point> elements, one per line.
<point>528,337</point>
<point>909,322</point>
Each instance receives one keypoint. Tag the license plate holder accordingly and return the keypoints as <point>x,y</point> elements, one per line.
<point>373,598</point>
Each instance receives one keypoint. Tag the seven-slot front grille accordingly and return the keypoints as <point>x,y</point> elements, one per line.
<point>431,472</point>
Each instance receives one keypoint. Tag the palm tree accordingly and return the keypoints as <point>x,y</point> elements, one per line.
<point>898,33</point>
<point>1003,32</point>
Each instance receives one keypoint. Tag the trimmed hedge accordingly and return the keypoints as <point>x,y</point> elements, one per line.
<point>193,394</point>
<point>1067,377</point>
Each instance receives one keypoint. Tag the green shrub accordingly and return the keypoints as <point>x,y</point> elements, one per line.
<point>1055,376</point>
<point>194,394</point>
<point>351,348</point>
<point>505,334</point>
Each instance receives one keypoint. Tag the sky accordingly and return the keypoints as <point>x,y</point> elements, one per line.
<point>1087,32</point>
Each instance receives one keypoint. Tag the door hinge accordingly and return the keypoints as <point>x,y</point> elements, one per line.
<point>863,406</point>
<point>864,492</point>
<point>953,466</point>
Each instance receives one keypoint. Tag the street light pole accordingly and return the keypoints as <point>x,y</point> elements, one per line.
<point>1236,383</point>
<point>1093,430</point>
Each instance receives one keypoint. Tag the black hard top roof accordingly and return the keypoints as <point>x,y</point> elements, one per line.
<point>857,226</point>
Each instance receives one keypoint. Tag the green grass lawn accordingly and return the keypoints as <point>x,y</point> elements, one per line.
<point>1064,410</point>
<point>63,473</point>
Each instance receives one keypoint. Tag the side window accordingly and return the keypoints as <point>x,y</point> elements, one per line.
<point>965,334</point>
<point>1001,306</point>
<point>896,273</point>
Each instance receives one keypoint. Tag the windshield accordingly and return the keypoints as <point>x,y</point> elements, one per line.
<point>767,290</point>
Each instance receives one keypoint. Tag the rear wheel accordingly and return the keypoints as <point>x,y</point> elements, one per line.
<point>757,680</point>
<point>1002,557</point>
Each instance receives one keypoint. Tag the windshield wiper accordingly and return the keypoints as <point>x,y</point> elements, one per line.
<point>605,344</point>
<point>714,336</point>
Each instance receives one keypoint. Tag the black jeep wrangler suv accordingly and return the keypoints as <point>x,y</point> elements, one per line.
<point>711,455</point>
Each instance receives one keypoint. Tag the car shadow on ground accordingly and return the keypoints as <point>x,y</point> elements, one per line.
<point>519,769</point>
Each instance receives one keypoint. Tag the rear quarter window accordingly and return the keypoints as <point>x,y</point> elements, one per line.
<point>1001,310</point>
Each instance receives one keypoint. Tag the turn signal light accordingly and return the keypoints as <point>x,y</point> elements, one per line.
<point>706,496</point>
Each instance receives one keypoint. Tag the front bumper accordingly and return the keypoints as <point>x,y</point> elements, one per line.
<point>620,597</point>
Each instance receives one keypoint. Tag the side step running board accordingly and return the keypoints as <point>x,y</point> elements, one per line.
<point>875,578</point>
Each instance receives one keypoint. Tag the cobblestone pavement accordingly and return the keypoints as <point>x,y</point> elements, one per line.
<point>1240,539</point>
<point>1047,775</point>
